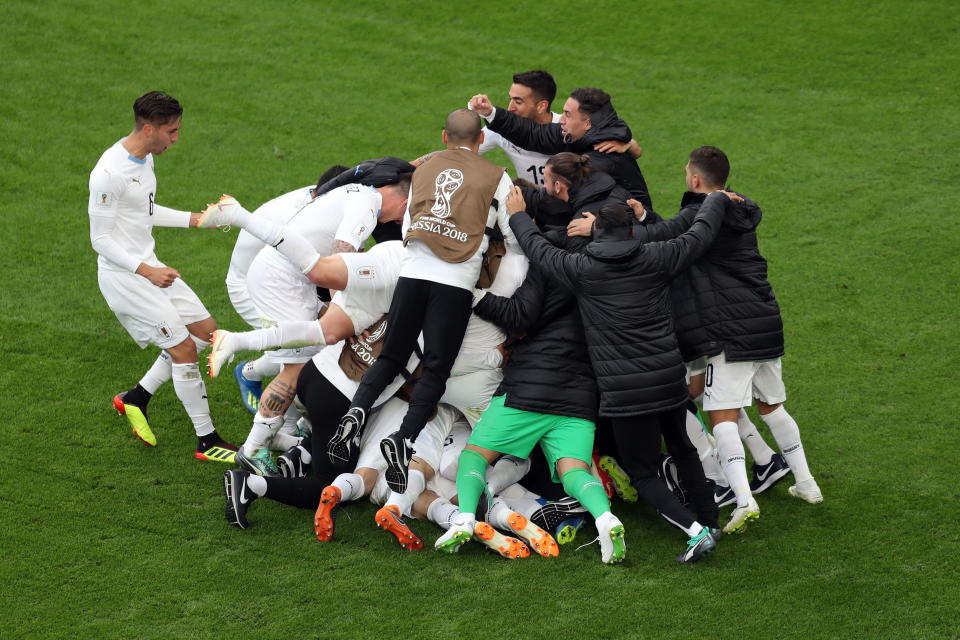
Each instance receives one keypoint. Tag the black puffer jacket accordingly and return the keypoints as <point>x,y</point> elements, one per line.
<point>549,370</point>
<point>724,302</point>
<point>605,124</point>
<point>623,294</point>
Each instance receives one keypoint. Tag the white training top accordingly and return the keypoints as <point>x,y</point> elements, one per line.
<point>348,214</point>
<point>421,263</point>
<point>123,211</point>
<point>528,164</point>
<point>280,210</point>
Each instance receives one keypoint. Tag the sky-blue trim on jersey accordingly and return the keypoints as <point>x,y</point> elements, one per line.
<point>130,156</point>
<point>372,188</point>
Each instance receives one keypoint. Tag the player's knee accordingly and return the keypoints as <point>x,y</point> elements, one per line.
<point>765,409</point>
<point>184,352</point>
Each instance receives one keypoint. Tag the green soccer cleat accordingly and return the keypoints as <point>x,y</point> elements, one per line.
<point>261,464</point>
<point>621,481</point>
<point>742,516</point>
<point>698,546</point>
<point>137,417</point>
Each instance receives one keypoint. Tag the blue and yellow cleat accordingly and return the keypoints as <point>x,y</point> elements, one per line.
<point>137,417</point>
<point>250,390</point>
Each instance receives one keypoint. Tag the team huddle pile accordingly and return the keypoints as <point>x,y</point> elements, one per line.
<point>490,316</point>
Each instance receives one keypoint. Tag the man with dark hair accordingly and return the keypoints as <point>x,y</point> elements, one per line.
<point>589,124</point>
<point>622,290</point>
<point>455,197</point>
<point>149,299</point>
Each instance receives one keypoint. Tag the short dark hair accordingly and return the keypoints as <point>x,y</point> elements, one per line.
<point>463,126</point>
<point>712,165</point>
<point>614,215</point>
<point>329,175</point>
<point>591,100</point>
<point>570,167</point>
<point>540,82</point>
<point>402,185</point>
<point>157,108</point>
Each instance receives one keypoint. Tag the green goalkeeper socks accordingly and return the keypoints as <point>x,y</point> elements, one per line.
<point>580,484</point>
<point>471,479</point>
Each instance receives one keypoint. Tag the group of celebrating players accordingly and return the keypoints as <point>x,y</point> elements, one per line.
<point>489,316</point>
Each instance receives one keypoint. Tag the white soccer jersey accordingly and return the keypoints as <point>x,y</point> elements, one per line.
<point>123,210</point>
<point>280,210</point>
<point>527,164</point>
<point>347,214</point>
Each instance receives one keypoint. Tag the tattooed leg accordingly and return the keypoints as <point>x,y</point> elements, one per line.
<point>274,402</point>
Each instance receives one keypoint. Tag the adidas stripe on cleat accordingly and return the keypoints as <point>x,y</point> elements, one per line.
<point>388,518</point>
<point>506,546</point>
<point>217,454</point>
<point>537,539</point>
<point>621,481</point>
<point>323,519</point>
<point>137,419</point>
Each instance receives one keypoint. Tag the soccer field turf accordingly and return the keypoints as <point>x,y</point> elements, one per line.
<point>840,119</point>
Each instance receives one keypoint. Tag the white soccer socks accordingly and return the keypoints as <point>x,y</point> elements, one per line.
<point>189,387</point>
<point>759,449</point>
<point>787,434</point>
<point>701,440</point>
<point>733,460</point>
<point>261,433</point>
<point>416,483</point>
<point>505,472</point>
<point>288,335</point>
<point>262,367</point>
<point>157,374</point>
<point>350,485</point>
<point>442,512</point>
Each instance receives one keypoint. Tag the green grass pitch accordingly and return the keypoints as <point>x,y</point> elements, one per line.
<point>840,119</point>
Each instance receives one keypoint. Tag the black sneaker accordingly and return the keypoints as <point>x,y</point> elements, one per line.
<point>563,518</point>
<point>238,496</point>
<point>397,451</point>
<point>767,475</point>
<point>667,470</point>
<point>341,446</point>
<point>723,496</point>
<point>291,463</point>
<point>697,547</point>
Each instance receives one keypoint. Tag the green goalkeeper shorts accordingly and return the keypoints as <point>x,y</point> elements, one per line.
<point>517,432</point>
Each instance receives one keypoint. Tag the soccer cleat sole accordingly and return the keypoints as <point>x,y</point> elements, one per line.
<point>389,520</point>
<point>323,524</point>
<point>217,454</point>
<point>621,481</point>
<point>742,524</point>
<point>617,539</point>
<point>396,472</point>
<point>453,545</point>
<point>537,539</point>
<point>339,447</point>
<point>566,534</point>
<point>506,546</point>
<point>137,421</point>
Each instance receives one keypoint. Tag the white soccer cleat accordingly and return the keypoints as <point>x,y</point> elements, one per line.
<point>613,548</point>
<point>807,491</point>
<point>742,516</point>
<point>221,352</point>
<point>222,213</point>
<point>459,533</point>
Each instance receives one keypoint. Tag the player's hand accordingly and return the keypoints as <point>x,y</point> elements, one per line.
<point>504,353</point>
<point>515,201</point>
<point>162,277</point>
<point>612,146</point>
<point>638,211</point>
<point>733,196</point>
<point>481,104</point>
<point>581,226</point>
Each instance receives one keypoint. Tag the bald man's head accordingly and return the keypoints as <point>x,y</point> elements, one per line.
<point>462,128</point>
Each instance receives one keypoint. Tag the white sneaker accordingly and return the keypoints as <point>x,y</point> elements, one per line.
<point>807,490</point>
<point>742,516</point>
<point>613,549</point>
<point>221,352</point>
<point>223,213</point>
<point>459,533</point>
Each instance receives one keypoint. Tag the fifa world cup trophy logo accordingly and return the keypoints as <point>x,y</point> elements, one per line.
<point>448,182</point>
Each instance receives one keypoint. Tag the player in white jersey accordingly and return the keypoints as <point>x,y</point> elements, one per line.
<point>149,299</point>
<point>250,375</point>
<point>341,220</point>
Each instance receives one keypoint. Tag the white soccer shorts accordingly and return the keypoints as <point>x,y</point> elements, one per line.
<point>733,385</point>
<point>283,296</point>
<point>471,393</point>
<point>695,368</point>
<point>150,314</point>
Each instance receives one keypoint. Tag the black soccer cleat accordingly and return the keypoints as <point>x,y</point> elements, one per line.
<point>344,442</point>
<point>397,451</point>
<point>767,475</point>
<point>238,497</point>
<point>291,463</point>
<point>668,472</point>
